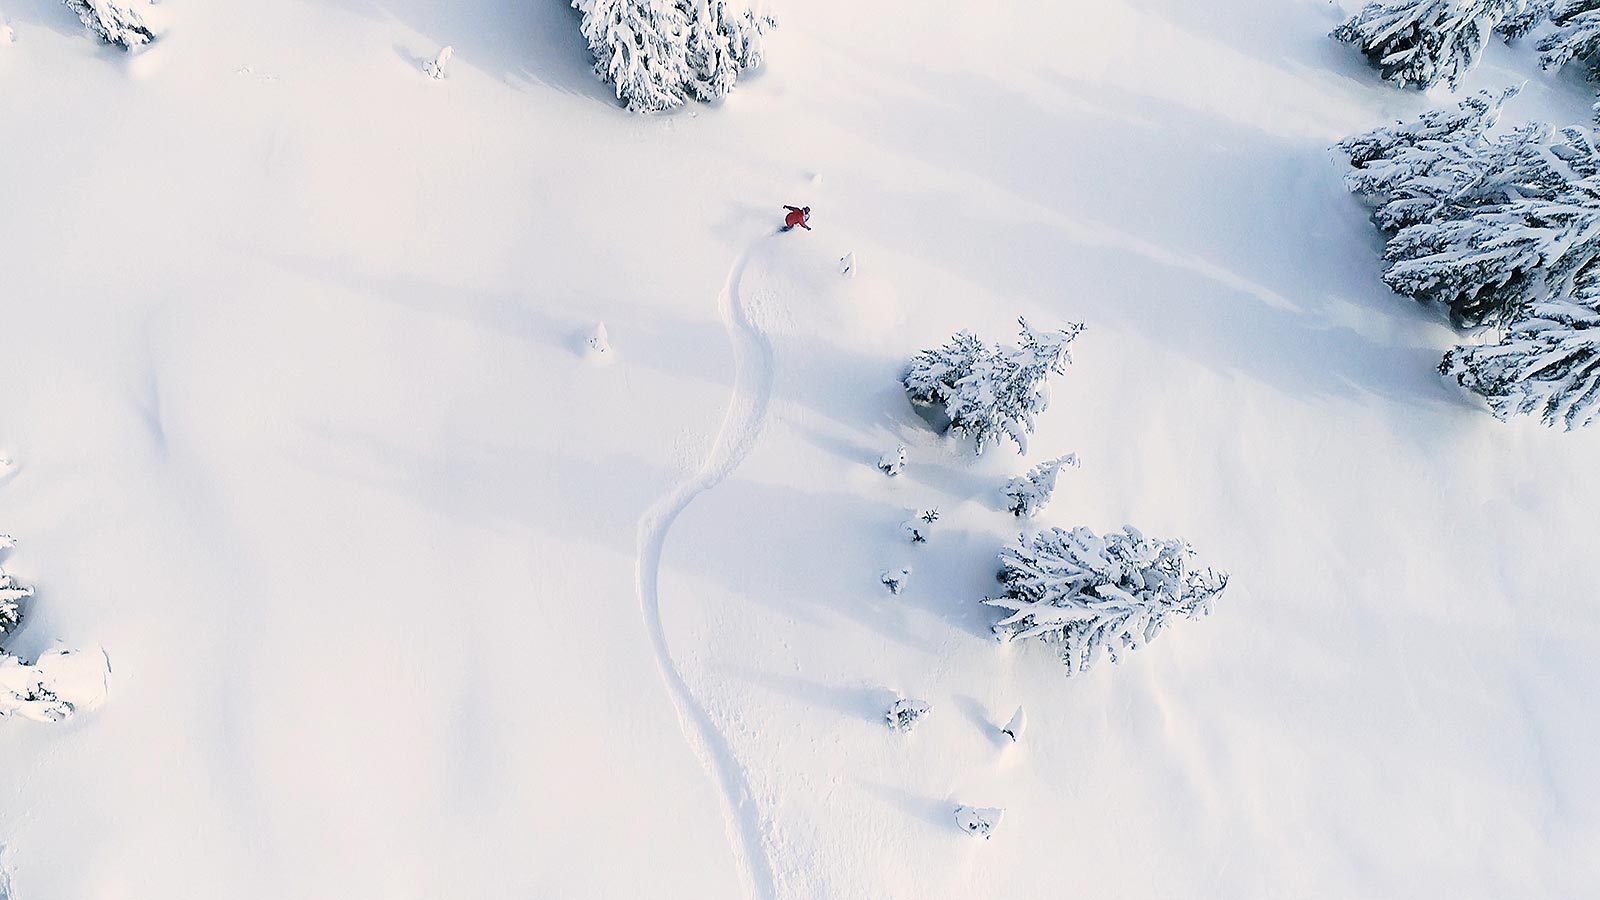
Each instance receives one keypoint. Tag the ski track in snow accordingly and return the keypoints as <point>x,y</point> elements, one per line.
<point>741,428</point>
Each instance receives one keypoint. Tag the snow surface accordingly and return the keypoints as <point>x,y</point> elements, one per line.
<point>405,599</point>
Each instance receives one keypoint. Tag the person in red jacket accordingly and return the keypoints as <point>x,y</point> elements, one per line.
<point>800,216</point>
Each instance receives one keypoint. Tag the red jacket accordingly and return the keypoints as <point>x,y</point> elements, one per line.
<point>797,217</point>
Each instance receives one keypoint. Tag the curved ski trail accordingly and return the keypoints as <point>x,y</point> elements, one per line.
<point>741,428</point>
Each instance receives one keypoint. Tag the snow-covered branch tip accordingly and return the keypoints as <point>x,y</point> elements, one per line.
<point>1027,494</point>
<point>990,392</point>
<point>1085,593</point>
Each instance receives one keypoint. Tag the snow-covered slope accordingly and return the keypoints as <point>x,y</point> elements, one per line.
<point>405,596</point>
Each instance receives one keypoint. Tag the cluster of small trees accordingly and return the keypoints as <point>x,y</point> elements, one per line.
<point>1089,595</point>
<point>659,54</point>
<point>1503,230</point>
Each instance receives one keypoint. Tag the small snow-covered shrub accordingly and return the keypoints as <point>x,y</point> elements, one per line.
<point>978,821</point>
<point>1547,364</point>
<point>114,21</point>
<point>598,345</point>
<point>434,68</point>
<point>896,580</point>
<point>904,713</point>
<point>918,528</point>
<point>893,462</point>
<point>1017,725</point>
<point>657,54</point>
<point>61,683</point>
<point>1419,43</point>
<point>1087,593</point>
<point>990,392</point>
<point>1027,494</point>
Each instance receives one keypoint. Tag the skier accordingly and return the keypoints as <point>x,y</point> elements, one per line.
<point>797,216</point>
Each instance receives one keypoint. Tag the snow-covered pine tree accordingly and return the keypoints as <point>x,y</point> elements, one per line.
<point>722,42</point>
<point>114,21</point>
<point>1086,593</point>
<point>1027,494</point>
<point>639,47</point>
<point>659,53</point>
<point>1547,364</point>
<point>990,392</point>
<point>1419,43</point>
<point>1484,226</point>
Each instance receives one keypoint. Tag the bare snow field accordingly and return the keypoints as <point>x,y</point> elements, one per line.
<point>408,592</point>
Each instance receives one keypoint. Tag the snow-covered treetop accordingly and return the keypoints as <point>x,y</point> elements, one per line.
<point>991,392</point>
<point>1086,593</point>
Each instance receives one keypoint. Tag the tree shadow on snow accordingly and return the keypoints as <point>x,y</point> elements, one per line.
<point>864,702</point>
<point>518,42</point>
<point>1142,230</point>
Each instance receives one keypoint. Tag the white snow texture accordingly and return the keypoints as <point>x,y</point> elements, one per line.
<point>409,595</point>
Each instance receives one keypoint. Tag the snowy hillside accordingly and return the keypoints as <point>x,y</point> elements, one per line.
<point>408,593</point>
